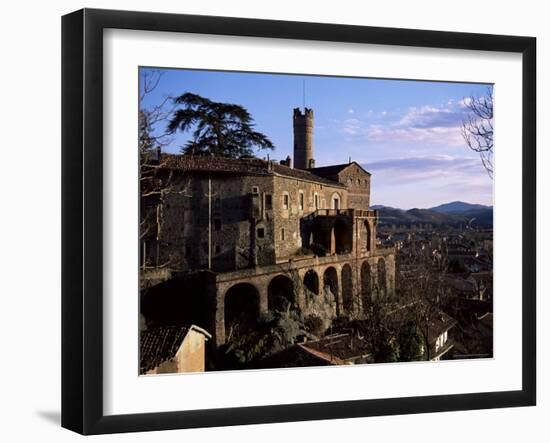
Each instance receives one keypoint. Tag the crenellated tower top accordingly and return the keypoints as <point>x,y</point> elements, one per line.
<point>303,138</point>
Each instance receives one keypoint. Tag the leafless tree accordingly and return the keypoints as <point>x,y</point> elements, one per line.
<point>156,181</point>
<point>423,297</point>
<point>151,117</point>
<point>477,129</point>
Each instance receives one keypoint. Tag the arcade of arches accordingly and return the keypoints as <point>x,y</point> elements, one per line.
<point>347,287</point>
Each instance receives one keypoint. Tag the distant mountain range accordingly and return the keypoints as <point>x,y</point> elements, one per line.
<point>454,213</point>
<point>459,208</point>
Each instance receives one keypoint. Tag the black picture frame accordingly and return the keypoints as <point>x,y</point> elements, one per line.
<point>82,218</point>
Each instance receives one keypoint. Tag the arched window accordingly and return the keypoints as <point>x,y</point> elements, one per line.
<point>301,202</point>
<point>286,201</point>
<point>335,201</point>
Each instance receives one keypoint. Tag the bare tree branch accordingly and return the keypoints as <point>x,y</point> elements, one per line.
<point>477,129</point>
<point>157,181</point>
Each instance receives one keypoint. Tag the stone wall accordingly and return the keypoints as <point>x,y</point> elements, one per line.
<point>241,229</point>
<point>357,182</point>
<point>290,225</point>
<point>254,220</point>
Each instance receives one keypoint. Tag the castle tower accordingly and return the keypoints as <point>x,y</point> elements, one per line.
<point>303,139</point>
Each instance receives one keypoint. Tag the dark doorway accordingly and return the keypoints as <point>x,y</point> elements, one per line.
<point>342,237</point>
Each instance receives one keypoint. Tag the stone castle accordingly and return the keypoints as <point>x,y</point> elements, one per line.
<point>262,233</point>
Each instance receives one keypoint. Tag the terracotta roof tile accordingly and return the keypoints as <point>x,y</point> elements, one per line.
<point>333,170</point>
<point>338,348</point>
<point>214,164</point>
<point>158,345</point>
<point>248,166</point>
<point>303,175</point>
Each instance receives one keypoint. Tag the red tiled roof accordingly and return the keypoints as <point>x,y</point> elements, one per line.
<point>438,323</point>
<point>337,348</point>
<point>333,170</point>
<point>303,175</point>
<point>158,345</point>
<point>248,166</point>
<point>214,164</point>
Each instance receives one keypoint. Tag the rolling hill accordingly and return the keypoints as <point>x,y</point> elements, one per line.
<point>458,207</point>
<point>455,213</point>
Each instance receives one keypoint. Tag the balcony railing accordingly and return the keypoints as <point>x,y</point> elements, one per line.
<point>345,212</point>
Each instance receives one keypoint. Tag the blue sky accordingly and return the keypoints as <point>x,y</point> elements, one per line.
<point>406,133</point>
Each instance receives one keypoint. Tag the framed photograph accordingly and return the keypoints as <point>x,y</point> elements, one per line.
<point>268,221</point>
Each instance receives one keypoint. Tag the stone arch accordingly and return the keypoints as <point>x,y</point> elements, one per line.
<point>342,237</point>
<point>241,308</point>
<point>347,288</point>
<point>311,281</point>
<point>280,293</point>
<point>330,284</point>
<point>382,281</point>
<point>366,288</point>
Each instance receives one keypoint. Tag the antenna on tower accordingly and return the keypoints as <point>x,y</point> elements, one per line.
<point>304,93</point>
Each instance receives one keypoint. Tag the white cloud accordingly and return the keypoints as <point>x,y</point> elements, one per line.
<point>465,102</point>
<point>406,182</point>
<point>449,136</point>
<point>353,126</point>
<point>441,167</point>
<point>434,125</point>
